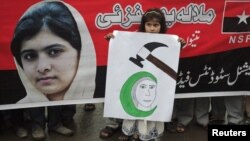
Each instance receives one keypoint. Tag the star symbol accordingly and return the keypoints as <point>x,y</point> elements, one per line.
<point>243,17</point>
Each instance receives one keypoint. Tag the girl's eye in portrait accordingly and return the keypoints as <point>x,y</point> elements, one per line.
<point>143,86</point>
<point>152,87</point>
<point>29,55</point>
<point>55,51</point>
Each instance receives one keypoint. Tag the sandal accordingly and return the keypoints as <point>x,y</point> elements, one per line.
<point>107,132</point>
<point>89,107</point>
<point>180,128</point>
<point>135,137</point>
<point>171,126</point>
<point>124,137</point>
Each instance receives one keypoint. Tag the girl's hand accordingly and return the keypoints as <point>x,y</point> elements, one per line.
<point>182,41</point>
<point>108,36</point>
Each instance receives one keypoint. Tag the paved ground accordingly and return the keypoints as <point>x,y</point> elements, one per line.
<point>88,125</point>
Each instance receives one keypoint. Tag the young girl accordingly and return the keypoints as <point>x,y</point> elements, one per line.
<point>153,21</point>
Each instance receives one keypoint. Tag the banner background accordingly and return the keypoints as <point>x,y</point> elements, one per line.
<point>226,52</point>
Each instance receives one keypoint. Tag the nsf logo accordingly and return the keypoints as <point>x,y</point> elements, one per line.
<point>236,17</point>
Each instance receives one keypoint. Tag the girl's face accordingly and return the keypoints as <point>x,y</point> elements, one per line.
<point>146,93</point>
<point>49,62</point>
<point>153,26</point>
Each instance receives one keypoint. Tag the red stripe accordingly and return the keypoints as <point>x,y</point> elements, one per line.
<point>232,9</point>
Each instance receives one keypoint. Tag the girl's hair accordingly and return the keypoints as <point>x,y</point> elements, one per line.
<point>150,14</point>
<point>52,15</point>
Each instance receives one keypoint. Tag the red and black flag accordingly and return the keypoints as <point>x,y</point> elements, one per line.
<point>236,17</point>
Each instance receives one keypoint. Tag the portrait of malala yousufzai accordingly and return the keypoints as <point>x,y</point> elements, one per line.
<point>54,53</point>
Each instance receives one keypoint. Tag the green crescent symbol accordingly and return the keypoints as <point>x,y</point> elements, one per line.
<point>126,97</point>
